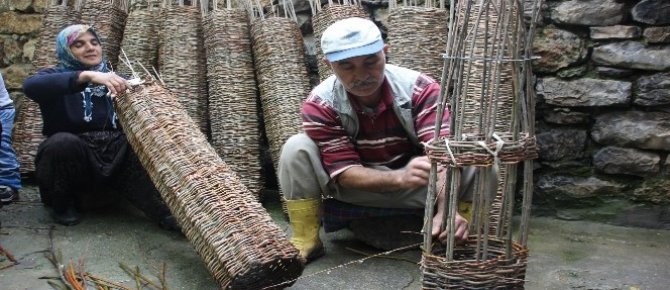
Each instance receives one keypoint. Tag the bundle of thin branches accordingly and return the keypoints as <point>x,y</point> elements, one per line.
<point>324,17</point>
<point>181,59</point>
<point>231,231</point>
<point>233,95</point>
<point>140,36</point>
<point>27,133</point>
<point>281,73</point>
<point>417,36</point>
<point>109,19</point>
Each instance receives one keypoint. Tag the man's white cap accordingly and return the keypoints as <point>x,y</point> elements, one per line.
<point>351,37</point>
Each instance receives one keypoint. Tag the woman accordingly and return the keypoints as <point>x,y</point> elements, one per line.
<point>86,151</point>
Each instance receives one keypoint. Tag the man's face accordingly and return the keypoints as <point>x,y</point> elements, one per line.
<point>87,50</point>
<point>361,76</point>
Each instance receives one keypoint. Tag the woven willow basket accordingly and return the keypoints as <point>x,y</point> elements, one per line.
<point>492,115</point>
<point>109,19</point>
<point>496,271</point>
<point>27,133</point>
<point>233,101</point>
<point>140,37</point>
<point>236,238</point>
<point>181,59</point>
<point>282,78</point>
<point>324,18</point>
<point>417,37</point>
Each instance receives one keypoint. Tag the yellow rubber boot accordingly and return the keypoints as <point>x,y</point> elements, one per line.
<point>465,210</point>
<point>304,215</point>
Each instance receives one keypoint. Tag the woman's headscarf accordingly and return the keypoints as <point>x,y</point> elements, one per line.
<point>65,39</point>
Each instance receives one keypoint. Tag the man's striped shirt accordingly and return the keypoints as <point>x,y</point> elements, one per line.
<point>381,139</point>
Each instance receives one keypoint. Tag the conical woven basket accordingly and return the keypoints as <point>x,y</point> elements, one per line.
<point>140,37</point>
<point>181,59</point>
<point>236,238</point>
<point>27,133</point>
<point>233,98</point>
<point>282,78</point>
<point>417,37</point>
<point>491,99</point>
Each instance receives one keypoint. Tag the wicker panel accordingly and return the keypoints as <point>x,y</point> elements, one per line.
<point>140,37</point>
<point>233,102</point>
<point>109,20</point>
<point>495,271</point>
<point>417,37</point>
<point>56,17</point>
<point>240,244</point>
<point>181,59</point>
<point>324,18</point>
<point>282,78</point>
<point>27,134</point>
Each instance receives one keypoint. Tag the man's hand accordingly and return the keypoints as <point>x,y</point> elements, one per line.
<point>461,233</point>
<point>414,174</point>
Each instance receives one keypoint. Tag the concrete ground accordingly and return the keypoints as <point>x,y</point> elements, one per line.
<point>563,254</point>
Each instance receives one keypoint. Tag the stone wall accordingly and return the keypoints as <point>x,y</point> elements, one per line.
<point>603,83</point>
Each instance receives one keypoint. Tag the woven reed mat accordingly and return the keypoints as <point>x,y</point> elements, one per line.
<point>496,271</point>
<point>325,17</point>
<point>417,37</point>
<point>109,19</point>
<point>236,238</point>
<point>27,133</point>
<point>233,101</point>
<point>140,36</point>
<point>181,59</point>
<point>282,78</point>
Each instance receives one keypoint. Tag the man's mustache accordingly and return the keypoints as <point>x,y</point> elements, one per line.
<point>365,83</point>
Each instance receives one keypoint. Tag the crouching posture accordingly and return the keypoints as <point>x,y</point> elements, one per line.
<point>86,152</point>
<point>363,132</point>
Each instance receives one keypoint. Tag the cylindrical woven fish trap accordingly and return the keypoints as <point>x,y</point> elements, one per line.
<point>140,37</point>
<point>324,18</point>
<point>491,98</point>
<point>495,271</point>
<point>27,133</point>
<point>282,78</point>
<point>240,244</point>
<point>233,101</point>
<point>418,37</point>
<point>56,17</point>
<point>109,19</point>
<point>181,59</point>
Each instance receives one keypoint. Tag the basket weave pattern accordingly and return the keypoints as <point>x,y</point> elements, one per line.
<point>140,37</point>
<point>233,101</point>
<point>282,78</point>
<point>495,272</point>
<point>416,36</point>
<point>238,241</point>
<point>181,59</point>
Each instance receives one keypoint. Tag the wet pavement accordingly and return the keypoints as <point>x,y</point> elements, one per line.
<point>563,254</point>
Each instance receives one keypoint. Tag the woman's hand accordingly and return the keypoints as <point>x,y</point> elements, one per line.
<point>114,83</point>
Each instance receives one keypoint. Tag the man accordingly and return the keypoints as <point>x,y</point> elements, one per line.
<point>363,132</point>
